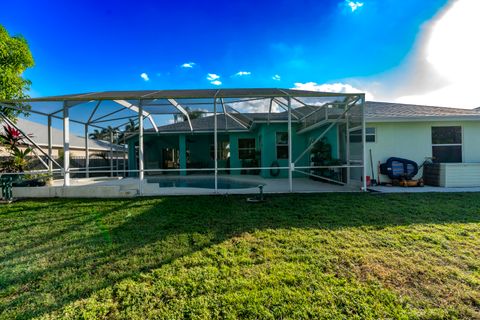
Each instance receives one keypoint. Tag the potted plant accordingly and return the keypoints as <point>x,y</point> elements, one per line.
<point>321,155</point>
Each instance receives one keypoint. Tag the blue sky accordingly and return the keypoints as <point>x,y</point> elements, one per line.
<point>83,46</point>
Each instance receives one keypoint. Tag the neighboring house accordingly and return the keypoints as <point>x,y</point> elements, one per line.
<point>392,130</point>
<point>39,134</point>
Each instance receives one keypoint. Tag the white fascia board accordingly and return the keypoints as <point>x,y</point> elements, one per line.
<point>422,119</point>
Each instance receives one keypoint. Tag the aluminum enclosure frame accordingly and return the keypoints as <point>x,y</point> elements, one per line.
<point>137,101</point>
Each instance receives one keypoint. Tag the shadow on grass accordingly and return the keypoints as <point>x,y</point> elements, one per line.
<point>59,251</point>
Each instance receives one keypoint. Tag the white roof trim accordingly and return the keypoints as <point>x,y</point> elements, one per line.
<point>423,118</point>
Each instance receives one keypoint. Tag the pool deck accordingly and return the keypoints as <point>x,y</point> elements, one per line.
<point>106,187</point>
<point>132,187</point>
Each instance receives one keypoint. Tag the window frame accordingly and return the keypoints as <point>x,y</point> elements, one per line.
<point>433,145</point>
<point>239,149</point>
<point>358,133</point>
<point>281,144</point>
<point>222,152</point>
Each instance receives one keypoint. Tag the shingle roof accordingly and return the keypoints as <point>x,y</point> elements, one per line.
<point>223,122</point>
<point>202,124</point>
<point>40,137</point>
<point>374,111</point>
<point>388,110</point>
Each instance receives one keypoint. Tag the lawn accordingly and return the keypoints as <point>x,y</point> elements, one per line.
<point>331,256</point>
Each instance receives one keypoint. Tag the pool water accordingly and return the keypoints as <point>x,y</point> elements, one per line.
<point>204,183</point>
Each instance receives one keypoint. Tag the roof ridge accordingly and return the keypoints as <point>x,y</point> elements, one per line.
<point>41,135</point>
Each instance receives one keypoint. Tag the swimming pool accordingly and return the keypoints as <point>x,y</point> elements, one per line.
<point>202,182</point>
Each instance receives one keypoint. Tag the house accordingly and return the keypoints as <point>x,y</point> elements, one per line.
<point>39,134</point>
<point>450,136</point>
<point>294,139</point>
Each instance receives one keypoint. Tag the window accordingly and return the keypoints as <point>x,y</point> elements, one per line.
<point>282,145</point>
<point>447,144</point>
<point>370,135</point>
<point>246,148</point>
<point>223,150</point>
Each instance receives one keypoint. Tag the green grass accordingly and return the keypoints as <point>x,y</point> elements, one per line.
<point>331,256</point>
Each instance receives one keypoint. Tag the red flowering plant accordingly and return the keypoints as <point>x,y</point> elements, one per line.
<point>12,140</point>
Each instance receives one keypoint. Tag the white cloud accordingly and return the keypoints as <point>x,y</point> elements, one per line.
<point>354,5</point>
<point>212,76</point>
<point>276,77</point>
<point>331,87</point>
<point>450,49</point>
<point>188,65</point>
<point>457,95</point>
<point>442,70</point>
<point>243,73</point>
<point>144,76</point>
<point>254,106</point>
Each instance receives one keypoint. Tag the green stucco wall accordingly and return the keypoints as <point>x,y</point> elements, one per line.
<point>331,136</point>
<point>235,162</point>
<point>182,146</point>
<point>153,145</point>
<point>269,150</point>
<point>132,159</point>
<point>199,146</point>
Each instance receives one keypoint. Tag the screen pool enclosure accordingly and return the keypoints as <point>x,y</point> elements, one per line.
<point>208,141</point>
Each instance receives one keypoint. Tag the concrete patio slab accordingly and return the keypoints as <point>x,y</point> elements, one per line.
<point>397,189</point>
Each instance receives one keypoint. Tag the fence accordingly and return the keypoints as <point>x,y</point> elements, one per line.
<point>97,166</point>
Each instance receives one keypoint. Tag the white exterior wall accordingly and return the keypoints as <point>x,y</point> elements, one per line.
<point>413,140</point>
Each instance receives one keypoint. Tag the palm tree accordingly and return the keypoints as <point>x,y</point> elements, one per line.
<point>131,127</point>
<point>193,114</point>
<point>104,134</point>
<point>96,135</point>
<point>110,131</point>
